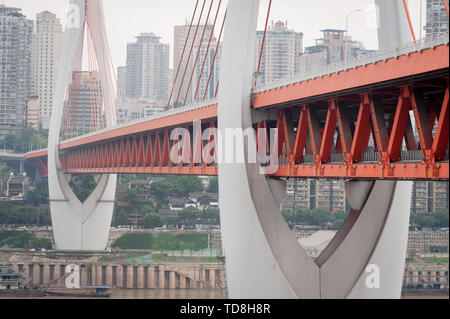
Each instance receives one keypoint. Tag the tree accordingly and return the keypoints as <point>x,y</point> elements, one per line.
<point>5,172</point>
<point>27,139</point>
<point>83,186</point>
<point>441,218</point>
<point>183,185</point>
<point>317,217</point>
<point>179,186</point>
<point>437,219</point>
<point>165,241</point>
<point>172,220</point>
<point>338,218</point>
<point>210,216</point>
<point>213,186</point>
<point>37,195</point>
<point>12,213</point>
<point>134,241</point>
<point>152,220</point>
<point>160,190</point>
<point>189,216</point>
<point>120,216</point>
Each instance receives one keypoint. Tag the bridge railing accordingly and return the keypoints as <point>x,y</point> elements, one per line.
<point>337,158</point>
<point>170,112</point>
<point>411,156</point>
<point>316,71</point>
<point>369,156</point>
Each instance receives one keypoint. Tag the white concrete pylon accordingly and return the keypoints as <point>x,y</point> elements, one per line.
<point>76,225</point>
<point>263,259</point>
<point>393,28</point>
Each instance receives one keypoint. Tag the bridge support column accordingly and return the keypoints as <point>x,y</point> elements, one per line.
<point>263,259</point>
<point>383,275</point>
<point>76,225</point>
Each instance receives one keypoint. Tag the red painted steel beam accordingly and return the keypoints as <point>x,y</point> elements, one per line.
<point>422,121</point>
<point>362,131</point>
<point>393,171</point>
<point>41,167</point>
<point>176,120</point>
<point>406,171</point>
<point>175,170</point>
<point>380,129</point>
<point>302,134</point>
<point>345,132</point>
<point>411,65</point>
<point>399,126</point>
<point>328,135</point>
<point>440,143</point>
<point>314,131</point>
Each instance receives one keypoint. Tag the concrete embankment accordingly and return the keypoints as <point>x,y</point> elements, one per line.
<point>116,270</point>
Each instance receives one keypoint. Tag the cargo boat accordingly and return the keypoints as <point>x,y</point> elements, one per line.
<point>100,292</point>
<point>13,284</point>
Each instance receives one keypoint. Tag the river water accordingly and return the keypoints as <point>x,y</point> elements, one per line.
<point>168,294</point>
<point>181,294</point>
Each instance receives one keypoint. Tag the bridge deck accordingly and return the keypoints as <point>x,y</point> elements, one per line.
<point>311,109</point>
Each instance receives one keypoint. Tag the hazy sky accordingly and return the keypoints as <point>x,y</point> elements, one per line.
<point>125,19</point>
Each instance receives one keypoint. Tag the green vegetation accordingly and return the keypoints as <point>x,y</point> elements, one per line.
<point>132,205</point>
<point>321,217</point>
<point>83,186</point>
<point>5,172</point>
<point>411,261</point>
<point>164,258</point>
<point>435,220</point>
<point>213,186</point>
<point>436,260</point>
<point>161,258</point>
<point>19,213</point>
<point>134,241</point>
<point>175,186</point>
<point>37,194</point>
<point>32,211</point>
<point>163,241</point>
<point>314,217</point>
<point>22,239</point>
<point>192,216</point>
<point>30,138</point>
<point>170,186</point>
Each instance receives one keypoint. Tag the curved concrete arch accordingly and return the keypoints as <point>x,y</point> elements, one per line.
<point>76,225</point>
<point>263,258</point>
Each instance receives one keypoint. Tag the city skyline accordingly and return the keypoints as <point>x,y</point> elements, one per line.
<point>162,21</point>
<point>319,172</point>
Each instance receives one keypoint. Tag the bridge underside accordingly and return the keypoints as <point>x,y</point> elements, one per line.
<point>367,134</point>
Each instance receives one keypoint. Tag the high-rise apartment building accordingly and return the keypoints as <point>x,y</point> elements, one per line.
<point>122,82</point>
<point>48,41</point>
<point>280,57</point>
<point>429,197</point>
<point>148,68</point>
<point>15,69</point>
<point>313,58</point>
<point>80,115</point>
<point>437,18</point>
<point>187,64</point>
<point>33,112</point>
<point>335,46</point>
<point>315,194</point>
